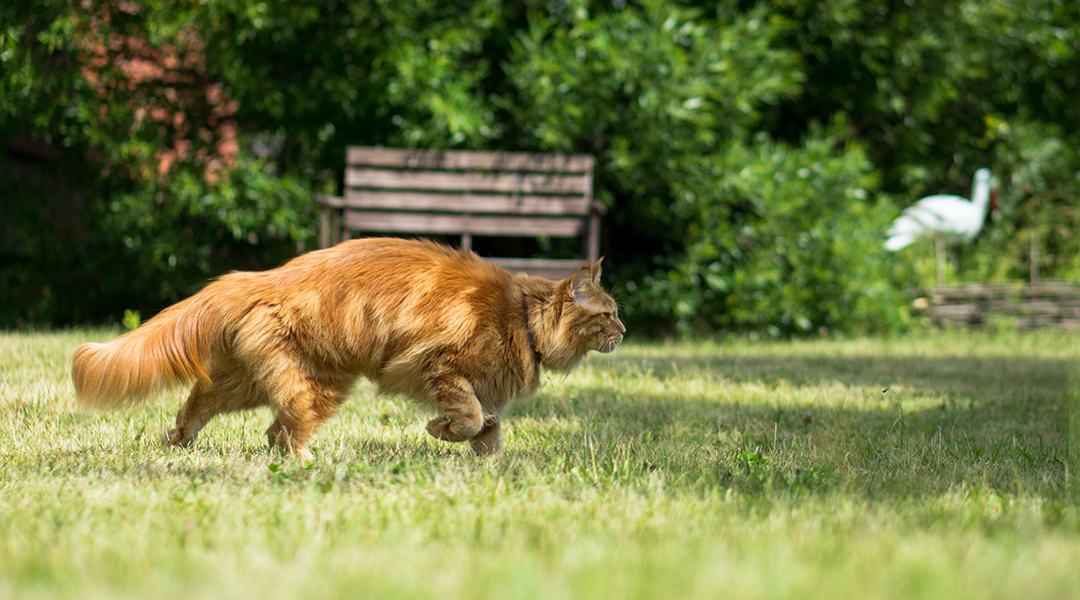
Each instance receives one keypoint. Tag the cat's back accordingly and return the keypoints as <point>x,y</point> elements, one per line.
<point>384,259</point>
<point>416,263</point>
<point>398,274</point>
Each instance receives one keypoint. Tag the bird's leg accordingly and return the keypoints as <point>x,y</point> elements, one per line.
<point>1034,257</point>
<point>939,259</point>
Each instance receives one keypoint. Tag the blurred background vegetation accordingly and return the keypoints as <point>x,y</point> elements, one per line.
<point>751,154</point>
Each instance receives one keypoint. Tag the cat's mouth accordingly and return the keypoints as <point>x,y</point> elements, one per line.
<point>609,344</point>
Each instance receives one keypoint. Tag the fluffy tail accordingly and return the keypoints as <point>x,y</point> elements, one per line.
<point>170,349</point>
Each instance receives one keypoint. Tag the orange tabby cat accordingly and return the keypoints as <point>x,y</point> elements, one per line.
<point>419,319</point>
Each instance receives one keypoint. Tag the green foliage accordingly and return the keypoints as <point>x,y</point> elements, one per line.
<point>784,241</point>
<point>132,319</point>
<point>145,201</point>
<point>654,92</point>
<point>179,234</point>
<point>936,90</point>
<point>1040,197</point>
<point>669,99</point>
<point>337,73</point>
<point>729,208</point>
<point>917,81</point>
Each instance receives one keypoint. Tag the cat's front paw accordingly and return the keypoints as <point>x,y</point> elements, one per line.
<point>450,430</point>
<point>175,437</point>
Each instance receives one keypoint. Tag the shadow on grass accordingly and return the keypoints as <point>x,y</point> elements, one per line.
<point>908,426</point>
<point>752,423</point>
<point>932,375</point>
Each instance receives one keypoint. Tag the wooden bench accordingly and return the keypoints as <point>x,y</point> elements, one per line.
<point>467,194</point>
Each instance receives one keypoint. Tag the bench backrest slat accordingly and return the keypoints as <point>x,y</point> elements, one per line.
<point>462,224</point>
<point>465,203</point>
<point>452,160</point>
<point>466,181</point>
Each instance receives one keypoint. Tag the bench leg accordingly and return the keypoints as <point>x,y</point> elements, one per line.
<point>324,228</point>
<point>593,250</point>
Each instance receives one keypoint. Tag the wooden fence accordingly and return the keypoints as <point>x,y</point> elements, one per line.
<point>1019,305</point>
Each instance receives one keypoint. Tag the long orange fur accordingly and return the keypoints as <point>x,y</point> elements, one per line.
<point>437,325</point>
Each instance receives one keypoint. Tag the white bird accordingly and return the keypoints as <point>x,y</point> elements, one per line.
<point>949,219</point>
<point>953,219</point>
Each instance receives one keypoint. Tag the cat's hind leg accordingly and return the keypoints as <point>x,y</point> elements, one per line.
<point>463,418</point>
<point>227,391</point>
<point>293,428</point>
<point>304,403</point>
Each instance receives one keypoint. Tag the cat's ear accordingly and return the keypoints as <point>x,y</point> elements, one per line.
<point>583,286</point>
<point>594,270</point>
<point>579,285</point>
<point>580,281</point>
<point>588,273</point>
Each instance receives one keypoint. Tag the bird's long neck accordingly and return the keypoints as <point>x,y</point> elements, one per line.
<point>980,194</point>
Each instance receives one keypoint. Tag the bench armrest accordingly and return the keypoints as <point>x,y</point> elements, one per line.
<point>330,201</point>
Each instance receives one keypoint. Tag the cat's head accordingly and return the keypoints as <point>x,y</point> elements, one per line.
<point>590,317</point>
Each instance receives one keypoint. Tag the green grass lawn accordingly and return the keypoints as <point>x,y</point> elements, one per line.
<point>736,470</point>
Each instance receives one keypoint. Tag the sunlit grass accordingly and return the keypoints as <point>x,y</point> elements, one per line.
<point>934,465</point>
